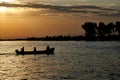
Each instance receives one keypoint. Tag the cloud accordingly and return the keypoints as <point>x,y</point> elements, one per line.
<point>92,9</point>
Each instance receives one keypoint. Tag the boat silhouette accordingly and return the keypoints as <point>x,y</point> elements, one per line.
<point>47,51</point>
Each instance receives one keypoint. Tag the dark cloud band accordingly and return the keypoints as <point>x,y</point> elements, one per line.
<point>69,9</point>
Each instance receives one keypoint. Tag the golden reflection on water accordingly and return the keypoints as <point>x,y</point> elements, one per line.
<point>71,61</point>
<point>23,67</point>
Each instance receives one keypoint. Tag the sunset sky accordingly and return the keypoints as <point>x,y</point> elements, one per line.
<point>37,18</point>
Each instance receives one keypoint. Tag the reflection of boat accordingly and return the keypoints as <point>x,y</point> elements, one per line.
<point>50,51</point>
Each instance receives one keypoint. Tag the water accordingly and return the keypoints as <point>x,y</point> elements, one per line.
<point>72,61</point>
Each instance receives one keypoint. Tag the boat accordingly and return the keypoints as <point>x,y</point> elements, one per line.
<point>47,51</point>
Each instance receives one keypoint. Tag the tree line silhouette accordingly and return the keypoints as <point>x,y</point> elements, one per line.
<point>92,29</point>
<point>102,31</point>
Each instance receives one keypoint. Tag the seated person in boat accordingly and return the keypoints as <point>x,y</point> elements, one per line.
<point>34,49</point>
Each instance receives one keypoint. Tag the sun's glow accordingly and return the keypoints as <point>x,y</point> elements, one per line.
<point>6,0</point>
<point>10,11</point>
<point>3,9</point>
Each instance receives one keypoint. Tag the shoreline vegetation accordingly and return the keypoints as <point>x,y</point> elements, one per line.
<point>68,38</point>
<point>93,32</point>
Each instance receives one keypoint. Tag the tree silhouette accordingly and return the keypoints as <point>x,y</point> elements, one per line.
<point>102,29</point>
<point>109,29</point>
<point>117,26</point>
<point>90,29</point>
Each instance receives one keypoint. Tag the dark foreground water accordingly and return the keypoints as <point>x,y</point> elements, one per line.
<point>72,61</point>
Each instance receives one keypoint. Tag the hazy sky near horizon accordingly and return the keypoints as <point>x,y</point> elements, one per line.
<point>36,18</point>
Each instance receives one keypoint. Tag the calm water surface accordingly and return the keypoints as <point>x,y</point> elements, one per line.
<point>72,61</point>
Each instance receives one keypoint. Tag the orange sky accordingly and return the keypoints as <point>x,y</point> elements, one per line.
<point>37,26</point>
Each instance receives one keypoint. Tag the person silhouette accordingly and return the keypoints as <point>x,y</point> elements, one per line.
<point>34,49</point>
<point>47,48</point>
<point>22,49</point>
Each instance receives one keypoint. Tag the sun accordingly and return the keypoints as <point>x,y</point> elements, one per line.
<point>3,9</point>
<point>6,0</point>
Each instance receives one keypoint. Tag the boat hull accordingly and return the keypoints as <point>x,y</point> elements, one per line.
<point>50,51</point>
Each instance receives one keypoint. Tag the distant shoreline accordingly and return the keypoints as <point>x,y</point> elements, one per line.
<point>68,38</point>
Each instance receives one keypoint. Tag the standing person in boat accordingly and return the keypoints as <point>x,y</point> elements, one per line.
<point>34,49</point>
<point>47,48</point>
<point>22,49</point>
